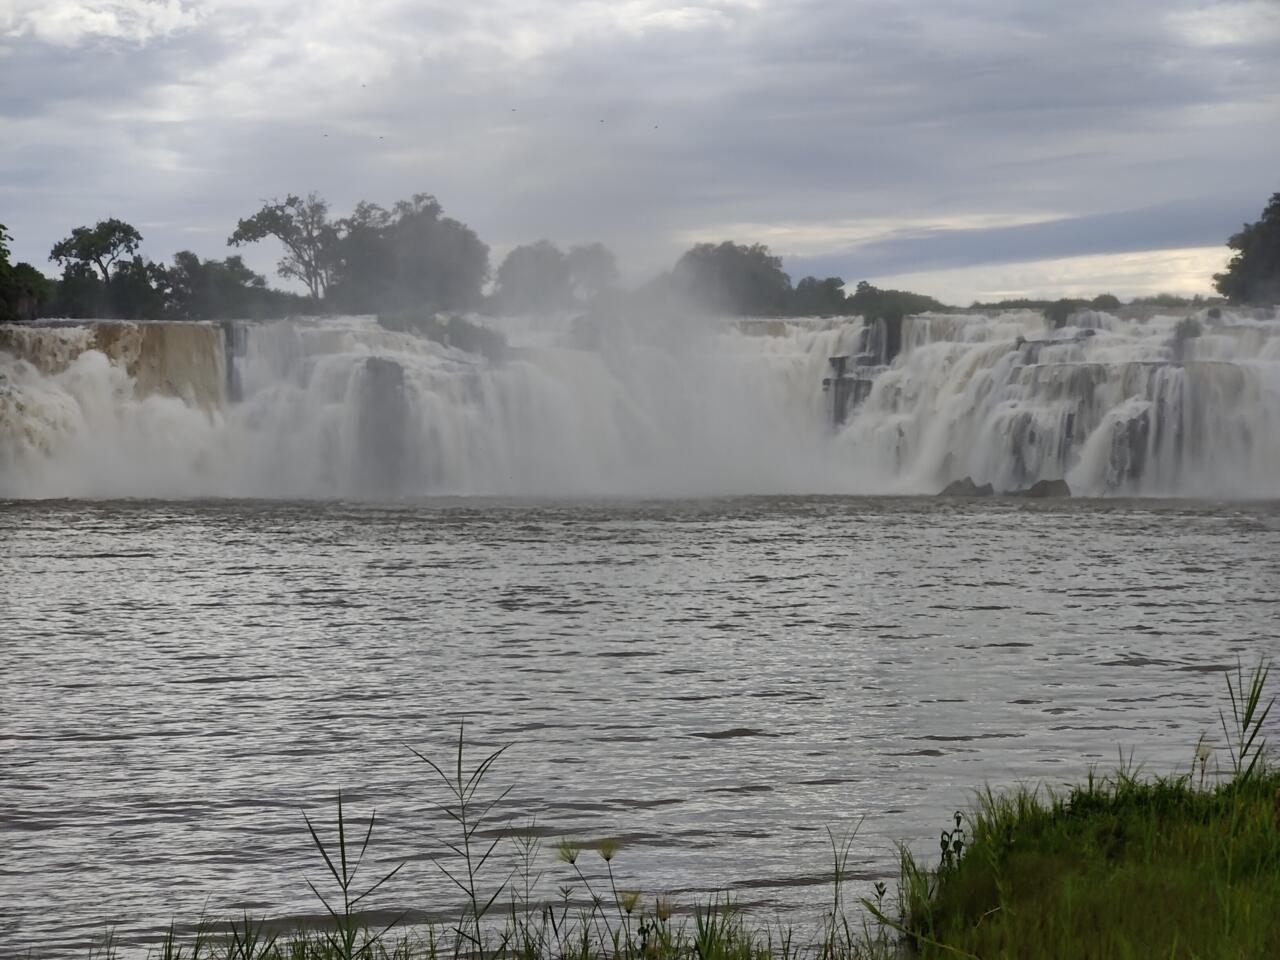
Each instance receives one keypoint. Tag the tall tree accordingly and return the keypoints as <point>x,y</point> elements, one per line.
<point>1253,275</point>
<point>365,267</point>
<point>138,290</point>
<point>222,289</point>
<point>593,269</point>
<point>103,246</point>
<point>534,278</point>
<point>440,262</point>
<point>24,290</point>
<point>408,258</point>
<point>733,278</point>
<point>103,275</point>
<point>872,302</point>
<point>816,297</point>
<point>310,240</point>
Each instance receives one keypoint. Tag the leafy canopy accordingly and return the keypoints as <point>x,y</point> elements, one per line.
<point>1253,275</point>
<point>535,278</point>
<point>310,240</point>
<point>104,245</point>
<point>733,278</point>
<point>593,269</point>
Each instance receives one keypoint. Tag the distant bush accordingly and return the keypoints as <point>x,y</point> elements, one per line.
<point>1105,301</point>
<point>1253,275</point>
<point>1187,328</point>
<point>1021,303</point>
<point>1173,301</point>
<point>1060,311</point>
<point>873,303</point>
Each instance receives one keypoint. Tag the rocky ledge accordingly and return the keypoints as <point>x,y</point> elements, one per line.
<point>1041,489</point>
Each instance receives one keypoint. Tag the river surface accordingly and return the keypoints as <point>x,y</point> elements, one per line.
<point>715,682</point>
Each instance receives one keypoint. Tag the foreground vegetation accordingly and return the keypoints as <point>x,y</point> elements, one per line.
<point>1120,867</point>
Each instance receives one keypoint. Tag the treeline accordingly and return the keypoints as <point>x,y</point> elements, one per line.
<point>24,290</point>
<point>749,281</point>
<point>413,258</point>
<point>407,263</point>
<point>103,276</point>
<point>1058,313</point>
<point>413,261</point>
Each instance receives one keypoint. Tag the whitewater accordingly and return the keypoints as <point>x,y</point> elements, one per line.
<point>340,407</point>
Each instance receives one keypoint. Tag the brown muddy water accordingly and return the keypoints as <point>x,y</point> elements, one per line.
<point>715,682</point>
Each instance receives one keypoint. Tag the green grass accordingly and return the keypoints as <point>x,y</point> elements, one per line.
<point>1121,867</point>
<point>1116,868</point>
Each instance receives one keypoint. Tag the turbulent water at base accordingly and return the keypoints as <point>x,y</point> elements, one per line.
<point>342,407</point>
<point>714,682</point>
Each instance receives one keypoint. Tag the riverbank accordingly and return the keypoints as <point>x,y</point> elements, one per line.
<point>1121,866</point>
<point>1118,867</point>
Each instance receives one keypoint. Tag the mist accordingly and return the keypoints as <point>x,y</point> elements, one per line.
<point>642,404</point>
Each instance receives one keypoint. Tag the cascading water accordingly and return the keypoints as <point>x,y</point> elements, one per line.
<point>1163,405</point>
<point>342,407</point>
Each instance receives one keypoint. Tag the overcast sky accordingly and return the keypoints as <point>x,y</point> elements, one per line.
<point>966,149</point>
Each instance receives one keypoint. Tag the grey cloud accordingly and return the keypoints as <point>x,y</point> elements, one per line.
<point>1198,222</point>
<point>799,112</point>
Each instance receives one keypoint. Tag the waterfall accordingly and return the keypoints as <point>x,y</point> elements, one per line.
<point>1159,406</point>
<point>342,407</point>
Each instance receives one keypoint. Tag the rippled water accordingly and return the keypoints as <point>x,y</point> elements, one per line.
<point>714,681</point>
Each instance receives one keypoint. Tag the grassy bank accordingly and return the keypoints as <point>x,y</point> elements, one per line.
<point>1122,866</point>
<point>1119,867</point>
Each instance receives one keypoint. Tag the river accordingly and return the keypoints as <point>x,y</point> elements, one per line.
<point>714,681</point>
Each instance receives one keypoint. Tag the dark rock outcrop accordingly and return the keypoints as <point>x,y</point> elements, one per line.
<point>383,427</point>
<point>1043,489</point>
<point>966,488</point>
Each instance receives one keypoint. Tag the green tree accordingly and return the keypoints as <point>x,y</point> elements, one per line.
<point>104,246</point>
<point>221,289</point>
<point>24,290</point>
<point>733,278</point>
<point>814,297</point>
<point>593,270</point>
<point>81,293</point>
<point>1060,311</point>
<point>1253,275</point>
<point>535,278</point>
<point>439,261</point>
<point>408,258</point>
<point>138,290</point>
<point>872,303</point>
<point>365,265</point>
<point>103,275</point>
<point>310,240</point>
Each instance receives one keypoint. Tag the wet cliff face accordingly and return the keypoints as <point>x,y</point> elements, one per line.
<point>50,349</point>
<point>184,360</point>
<point>382,429</point>
<point>343,407</point>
